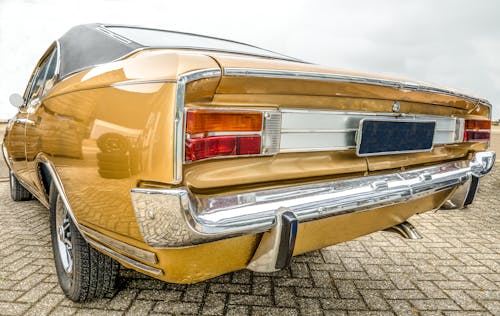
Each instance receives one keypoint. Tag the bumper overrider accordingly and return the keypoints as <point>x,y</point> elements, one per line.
<point>177,218</point>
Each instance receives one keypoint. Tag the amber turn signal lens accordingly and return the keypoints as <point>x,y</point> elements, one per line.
<point>477,124</point>
<point>207,121</point>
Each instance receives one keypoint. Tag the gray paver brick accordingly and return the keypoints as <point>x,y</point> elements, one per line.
<point>453,270</point>
<point>12,308</point>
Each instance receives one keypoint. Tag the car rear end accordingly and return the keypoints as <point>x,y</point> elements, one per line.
<point>274,158</point>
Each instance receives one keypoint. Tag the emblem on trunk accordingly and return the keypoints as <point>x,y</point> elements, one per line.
<point>396,106</point>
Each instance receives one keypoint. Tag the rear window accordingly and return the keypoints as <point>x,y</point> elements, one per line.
<point>170,39</point>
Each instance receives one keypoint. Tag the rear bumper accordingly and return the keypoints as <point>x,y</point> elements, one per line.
<point>177,218</point>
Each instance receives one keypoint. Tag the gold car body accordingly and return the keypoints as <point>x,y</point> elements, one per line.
<point>138,97</point>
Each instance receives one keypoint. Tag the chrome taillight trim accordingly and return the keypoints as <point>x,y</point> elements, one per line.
<point>306,75</point>
<point>180,94</point>
<point>269,133</point>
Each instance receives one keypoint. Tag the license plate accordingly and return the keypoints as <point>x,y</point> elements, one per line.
<point>396,136</point>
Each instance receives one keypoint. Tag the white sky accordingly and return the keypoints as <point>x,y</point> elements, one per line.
<point>450,43</point>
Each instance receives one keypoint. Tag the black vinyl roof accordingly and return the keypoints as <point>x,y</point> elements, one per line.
<point>88,45</point>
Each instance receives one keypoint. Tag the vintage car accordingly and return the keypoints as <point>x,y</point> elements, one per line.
<point>186,157</point>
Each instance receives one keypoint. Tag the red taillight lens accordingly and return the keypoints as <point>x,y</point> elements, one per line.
<point>477,130</point>
<point>209,147</point>
<point>476,136</point>
<point>206,121</point>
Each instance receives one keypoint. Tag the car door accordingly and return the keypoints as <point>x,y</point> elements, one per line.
<point>33,136</point>
<point>19,140</point>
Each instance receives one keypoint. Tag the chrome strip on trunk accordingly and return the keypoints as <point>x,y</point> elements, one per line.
<point>305,75</point>
<point>320,130</point>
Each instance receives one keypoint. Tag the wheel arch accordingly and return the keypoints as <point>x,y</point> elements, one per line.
<point>48,172</point>
<point>47,176</point>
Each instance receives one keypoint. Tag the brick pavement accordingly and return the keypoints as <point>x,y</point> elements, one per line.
<point>454,270</point>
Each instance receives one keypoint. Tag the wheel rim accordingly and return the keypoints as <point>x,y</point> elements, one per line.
<point>64,246</point>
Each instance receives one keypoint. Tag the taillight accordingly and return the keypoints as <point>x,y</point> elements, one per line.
<point>222,133</point>
<point>215,146</point>
<point>477,130</point>
<point>206,121</point>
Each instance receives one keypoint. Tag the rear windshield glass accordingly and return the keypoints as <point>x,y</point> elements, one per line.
<point>160,38</point>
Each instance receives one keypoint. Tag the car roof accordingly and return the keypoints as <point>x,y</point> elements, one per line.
<point>87,45</point>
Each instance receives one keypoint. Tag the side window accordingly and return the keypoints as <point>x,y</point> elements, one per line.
<point>43,77</point>
<point>50,76</point>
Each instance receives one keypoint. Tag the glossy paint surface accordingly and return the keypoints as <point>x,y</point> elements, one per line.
<point>111,128</point>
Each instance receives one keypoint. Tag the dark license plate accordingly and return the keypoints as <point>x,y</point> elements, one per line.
<point>383,137</point>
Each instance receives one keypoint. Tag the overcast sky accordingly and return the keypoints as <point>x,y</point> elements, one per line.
<point>450,43</point>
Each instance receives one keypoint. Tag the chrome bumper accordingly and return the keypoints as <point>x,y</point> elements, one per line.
<point>177,218</point>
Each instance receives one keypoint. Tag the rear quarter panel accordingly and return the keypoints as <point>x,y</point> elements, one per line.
<point>134,99</point>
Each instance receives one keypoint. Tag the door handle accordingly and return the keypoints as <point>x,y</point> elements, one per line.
<point>24,121</point>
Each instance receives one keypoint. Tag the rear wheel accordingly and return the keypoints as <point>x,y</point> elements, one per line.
<point>17,191</point>
<point>83,272</point>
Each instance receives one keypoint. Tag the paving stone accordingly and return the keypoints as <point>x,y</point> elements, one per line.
<point>177,308</point>
<point>273,311</point>
<point>140,307</point>
<point>214,304</point>
<point>237,310</point>
<point>463,300</point>
<point>492,306</point>
<point>453,270</point>
<point>12,308</point>
<point>435,304</point>
<point>45,305</point>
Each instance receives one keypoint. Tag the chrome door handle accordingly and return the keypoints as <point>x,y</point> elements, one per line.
<point>24,121</point>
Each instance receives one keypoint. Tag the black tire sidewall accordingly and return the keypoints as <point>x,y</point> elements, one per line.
<point>66,280</point>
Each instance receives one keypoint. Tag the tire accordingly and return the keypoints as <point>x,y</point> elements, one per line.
<point>113,143</point>
<point>17,191</point>
<point>83,272</point>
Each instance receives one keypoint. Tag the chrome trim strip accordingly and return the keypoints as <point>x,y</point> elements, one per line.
<point>118,256</point>
<point>130,250</point>
<point>321,130</point>
<point>5,155</point>
<point>56,180</point>
<point>345,130</point>
<point>178,218</point>
<point>278,56</point>
<point>215,134</point>
<point>182,81</point>
<point>142,81</point>
<point>109,33</point>
<point>58,66</point>
<point>304,75</point>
